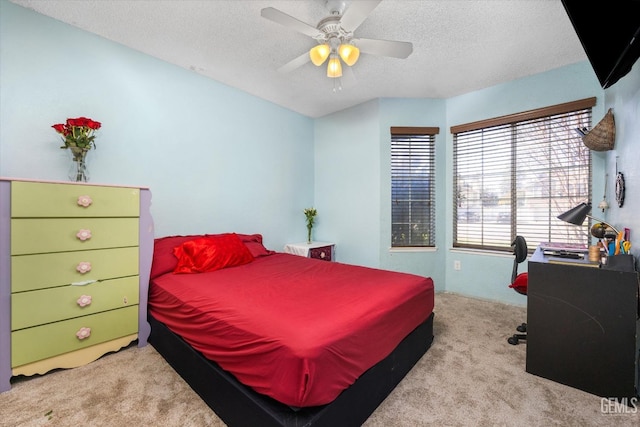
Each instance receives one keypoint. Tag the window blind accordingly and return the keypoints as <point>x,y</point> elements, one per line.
<point>514,177</point>
<point>413,186</point>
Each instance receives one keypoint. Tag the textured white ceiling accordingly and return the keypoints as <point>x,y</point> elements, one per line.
<point>458,45</point>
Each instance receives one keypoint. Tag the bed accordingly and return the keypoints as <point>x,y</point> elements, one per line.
<point>274,339</point>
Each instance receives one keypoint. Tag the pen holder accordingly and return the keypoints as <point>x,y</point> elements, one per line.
<point>622,262</point>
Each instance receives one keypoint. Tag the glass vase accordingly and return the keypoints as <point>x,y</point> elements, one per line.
<point>78,171</point>
<point>309,228</point>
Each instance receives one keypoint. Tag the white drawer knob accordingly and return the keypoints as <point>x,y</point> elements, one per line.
<point>84,267</point>
<point>84,201</point>
<point>84,300</point>
<point>83,333</point>
<point>83,234</point>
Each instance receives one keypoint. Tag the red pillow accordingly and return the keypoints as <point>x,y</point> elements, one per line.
<point>211,253</point>
<point>254,243</point>
<point>164,261</point>
<point>250,237</point>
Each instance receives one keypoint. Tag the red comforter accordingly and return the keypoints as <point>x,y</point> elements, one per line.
<point>296,329</point>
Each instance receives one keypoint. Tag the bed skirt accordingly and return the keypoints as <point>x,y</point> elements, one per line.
<point>239,405</point>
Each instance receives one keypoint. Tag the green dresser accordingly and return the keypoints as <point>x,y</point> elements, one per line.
<point>78,273</point>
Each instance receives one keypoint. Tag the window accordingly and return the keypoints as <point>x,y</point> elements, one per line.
<point>514,175</point>
<point>413,186</point>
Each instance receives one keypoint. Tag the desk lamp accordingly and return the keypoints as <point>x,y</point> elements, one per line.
<point>578,214</point>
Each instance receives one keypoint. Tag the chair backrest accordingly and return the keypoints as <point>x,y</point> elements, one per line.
<point>520,251</point>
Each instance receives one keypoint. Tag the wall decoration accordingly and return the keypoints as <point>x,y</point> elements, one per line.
<point>603,135</point>
<point>603,204</point>
<point>620,189</point>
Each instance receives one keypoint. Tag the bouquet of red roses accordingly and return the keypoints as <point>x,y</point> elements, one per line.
<point>78,133</point>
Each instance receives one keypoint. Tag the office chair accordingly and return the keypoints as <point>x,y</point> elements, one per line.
<point>519,283</point>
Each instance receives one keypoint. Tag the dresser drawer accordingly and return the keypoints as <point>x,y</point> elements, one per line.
<point>52,200</point>
<point>34,236</point>
<point>323,253</point>
<point>41,342</point>
<point>61,268</point>
<point>55,304</point>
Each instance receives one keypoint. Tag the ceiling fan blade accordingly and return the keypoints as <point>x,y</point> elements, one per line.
<point>282,18</point>
<point>295,63</point>
<point>357,13</point>
<point>390,48</point>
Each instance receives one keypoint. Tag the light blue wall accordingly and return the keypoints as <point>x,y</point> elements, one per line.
<point>347,186</point>
<point>215,158</point>
<point>487,275</point>
<point>413,112</point>
<point>355,202</point>
<point>624,98</point>
<point>353,182</point>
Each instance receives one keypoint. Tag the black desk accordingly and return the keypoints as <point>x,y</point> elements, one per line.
<point>582,326</point>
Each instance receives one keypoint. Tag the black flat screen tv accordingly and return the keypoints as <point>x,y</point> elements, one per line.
<point>610,35</point>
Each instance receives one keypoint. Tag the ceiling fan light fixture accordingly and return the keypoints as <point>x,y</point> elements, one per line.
<point>334,69</point>
<point>319,54</point>
<point>349,54</point>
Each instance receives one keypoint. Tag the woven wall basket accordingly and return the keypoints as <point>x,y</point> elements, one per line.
<point>603,135</point>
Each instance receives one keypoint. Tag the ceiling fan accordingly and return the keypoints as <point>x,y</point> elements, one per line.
<point>335,38</point>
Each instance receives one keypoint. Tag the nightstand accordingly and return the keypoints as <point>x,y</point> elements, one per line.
<point>317,250</point>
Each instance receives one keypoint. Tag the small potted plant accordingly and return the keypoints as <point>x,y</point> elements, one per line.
<point>310,214</point>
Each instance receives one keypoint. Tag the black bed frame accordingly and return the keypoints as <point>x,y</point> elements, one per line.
<point>239,405</point>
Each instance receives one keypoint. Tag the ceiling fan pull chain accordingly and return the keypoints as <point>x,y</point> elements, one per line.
<point>337,84</point>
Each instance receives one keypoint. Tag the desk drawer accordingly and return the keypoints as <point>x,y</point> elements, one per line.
<point>61,268</point>
<point>52,305</point>
<point>35,236</point>
<point>52,200</point>
<point>41,342</point>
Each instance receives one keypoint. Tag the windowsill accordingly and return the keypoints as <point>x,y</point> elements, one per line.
<point>481,252</point>
<point>413,249</point>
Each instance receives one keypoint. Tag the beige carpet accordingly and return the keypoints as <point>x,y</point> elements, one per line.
<point>471,376</point>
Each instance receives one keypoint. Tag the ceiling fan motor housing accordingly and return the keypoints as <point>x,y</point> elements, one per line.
<point>330,28</point>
